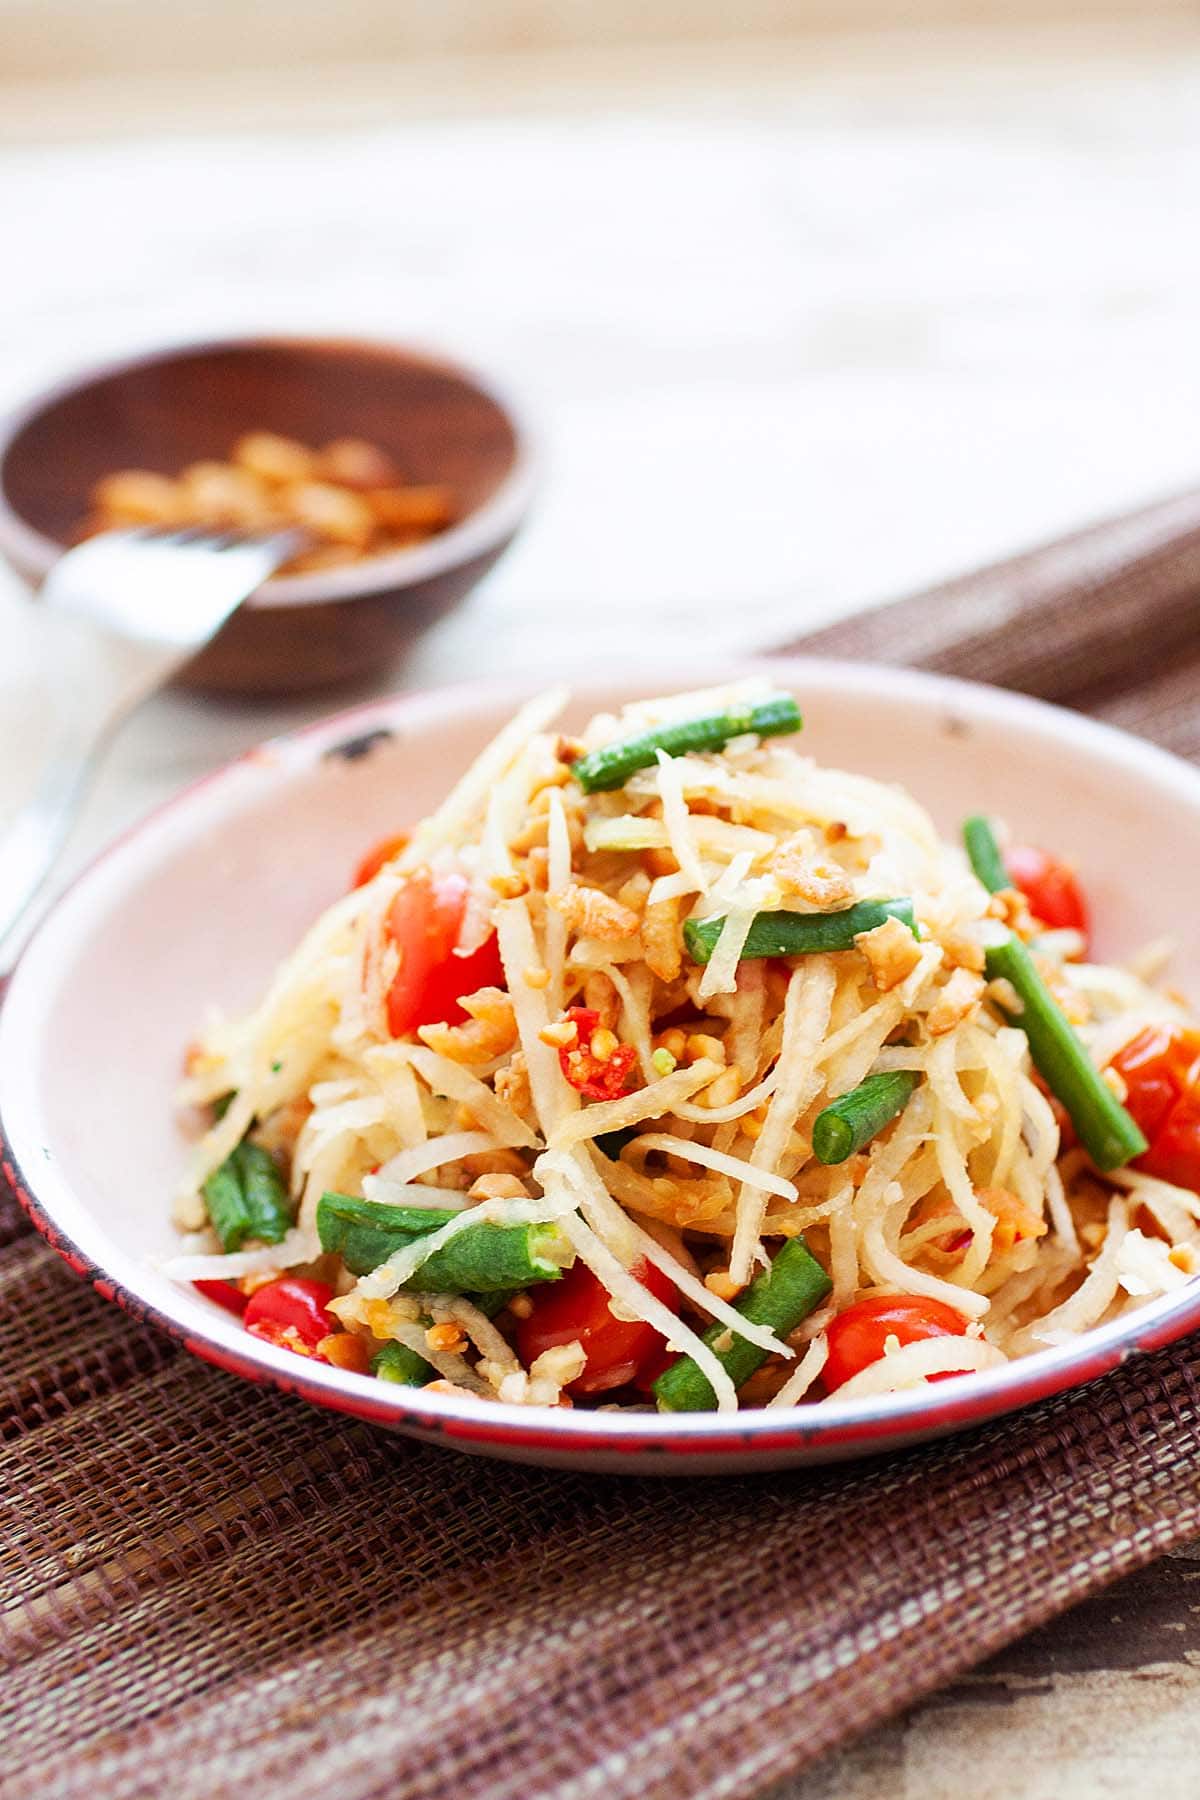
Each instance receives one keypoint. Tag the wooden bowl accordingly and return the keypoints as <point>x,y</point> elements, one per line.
<point>172,407</point>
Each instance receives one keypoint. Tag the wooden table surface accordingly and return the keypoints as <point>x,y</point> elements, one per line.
<point>803,327</point>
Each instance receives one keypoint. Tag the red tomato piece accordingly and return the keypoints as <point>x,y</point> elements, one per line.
<point>857,1336</point>
<point>377,856</point>
<point>1161,1072</point>
<point>423,922</point>
<point>617,1350</point>
<point>291,1312</point>
<point>224,1293</point>
<point>594,1079</point>
<point>1051,888</point>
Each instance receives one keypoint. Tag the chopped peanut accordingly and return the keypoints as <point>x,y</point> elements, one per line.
<point>498,1187</point>
<point>1014,1220</point>
<point>1010,906</point>
<point>560,1034</point>
<point>353,463</point>
<point>509,887</point>
<point>722,1284</point>
<point>604,1044</point>
<point>442,1386</point>
<point>419,510</point>
<point>957,1001</point>
<point>448,1336</point>
<point>274,459</point>
<point>892,953</point>
<point>674,1041</point>
<point>136,497</point>
<point>331,513</point>
<point>493,1162</point>
<point>512,1085</point>
<point>521,1306</point>
<point>701,1046</point>
<point>534,834</point>
<point>601,996</point>
<point>659,862</point>
<point>962,951</point>
<point>536,977</point>
<point>492,1029</point>
<point>814,878</point>
<point>593,913</point>
<point>344,498</point>
<point>724,1090</point>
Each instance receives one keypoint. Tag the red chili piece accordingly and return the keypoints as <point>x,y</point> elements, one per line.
<point>594,1079</point>
<point>291,1313</point>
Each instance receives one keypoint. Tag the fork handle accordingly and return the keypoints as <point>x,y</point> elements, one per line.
<point>98,681</point>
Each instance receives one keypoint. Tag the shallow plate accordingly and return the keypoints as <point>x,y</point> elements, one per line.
<point>198,904</point>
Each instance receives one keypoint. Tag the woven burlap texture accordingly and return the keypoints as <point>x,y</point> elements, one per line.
<point>212,1590</point>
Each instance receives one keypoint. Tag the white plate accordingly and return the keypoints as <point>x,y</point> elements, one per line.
<point>198,904</point>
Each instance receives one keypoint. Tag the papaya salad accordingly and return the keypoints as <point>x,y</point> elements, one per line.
<point>663,1067</point>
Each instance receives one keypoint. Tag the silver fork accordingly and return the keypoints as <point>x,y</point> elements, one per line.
<point>123,612</point>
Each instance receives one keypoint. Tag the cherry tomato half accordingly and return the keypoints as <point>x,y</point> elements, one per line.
<point>857,1336</point>
<point>1161,1072</point>
<point>617,1350</point>
<point>377,856</point>
<point>293,1305</point>
<point>1051,888</point>
<point>224,1293</point>
<point>594,1079</point>
<point>423,922</point>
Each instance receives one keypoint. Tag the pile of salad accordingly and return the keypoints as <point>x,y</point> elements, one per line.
<point>663,1067</point>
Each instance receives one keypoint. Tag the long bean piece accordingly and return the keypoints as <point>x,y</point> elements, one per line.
<point>484,1258</point>
<point>1104,1128</point>
<point>983,854</point>
<point>800,934</point>
<point>247,1198</point>
<point>793,1286</point>
<point>364,1233</point>
<point>853,1119</point>
<point>398,1364</point>
<point>613,764</point>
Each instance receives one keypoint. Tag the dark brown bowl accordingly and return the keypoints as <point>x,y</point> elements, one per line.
<point>172,407</point>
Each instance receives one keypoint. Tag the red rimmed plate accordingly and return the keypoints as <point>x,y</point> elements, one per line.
<point>197,905</point>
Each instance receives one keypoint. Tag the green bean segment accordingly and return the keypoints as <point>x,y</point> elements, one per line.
<point>1107,1132</point>
<point>484,1258</point>
<point>793,1286</point>
<point>611,766</point>
<point>800,934</point>
<point>853,1119</point>
<point>983,854</point>
<point>247,1198</point>
<point>402,1366</point>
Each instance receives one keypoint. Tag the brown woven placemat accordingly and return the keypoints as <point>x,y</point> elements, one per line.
<point>211,1590</point>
